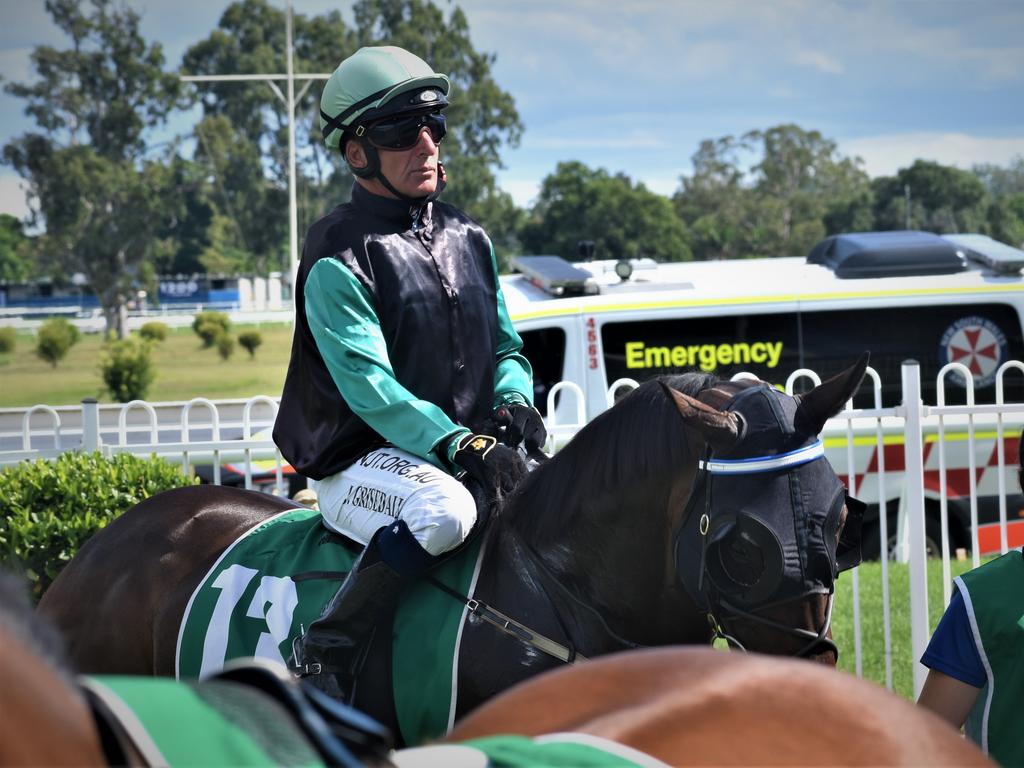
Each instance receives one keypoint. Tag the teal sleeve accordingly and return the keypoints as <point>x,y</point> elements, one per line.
<point>347,332</point>
<point>513,375</point>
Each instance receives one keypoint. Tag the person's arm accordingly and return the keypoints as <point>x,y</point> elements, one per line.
<point>348,335</point>
<point>956,673</point>
<point>949,698</point>
<point>513,375</point>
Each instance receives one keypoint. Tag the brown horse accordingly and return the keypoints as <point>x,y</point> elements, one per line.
<point>692,507</point>
<point>681,706</point>
<point>45,719</point>
<point>697,706</point>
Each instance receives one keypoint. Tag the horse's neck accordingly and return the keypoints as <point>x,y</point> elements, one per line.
<point>569,587</point>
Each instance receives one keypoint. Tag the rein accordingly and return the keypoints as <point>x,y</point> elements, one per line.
<point>515,629</point>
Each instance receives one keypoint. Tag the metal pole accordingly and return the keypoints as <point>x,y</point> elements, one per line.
<point>293,215</point>
<point>90,425</point>
<point>913,449</point>
<point>906,194</point>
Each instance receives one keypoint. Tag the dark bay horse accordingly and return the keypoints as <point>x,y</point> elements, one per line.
<point>692,507</point>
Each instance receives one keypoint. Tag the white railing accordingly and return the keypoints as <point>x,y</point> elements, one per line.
<point>214,435</point>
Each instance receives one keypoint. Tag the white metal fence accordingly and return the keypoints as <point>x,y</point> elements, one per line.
<point>217,435</point>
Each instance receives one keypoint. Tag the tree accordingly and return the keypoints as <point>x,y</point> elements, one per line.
<point>101,200</point>
<point>802,173</point>
<point>1006,219</point>
<point>622,219</point>
<point>714,202</point>
<point>251,38</point>
<point>799,190</point>
<point>1002,182</point>
<point>942,199</point>
<point>15,247</point>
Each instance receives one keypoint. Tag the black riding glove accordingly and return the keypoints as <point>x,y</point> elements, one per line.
<point>524,424</point>
<point>496,467</point>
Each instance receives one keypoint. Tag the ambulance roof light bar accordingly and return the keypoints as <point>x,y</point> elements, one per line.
<point>555,275</point>
<point>999,257</point>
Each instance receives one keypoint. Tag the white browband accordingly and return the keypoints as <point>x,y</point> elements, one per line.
<point>765,463</point>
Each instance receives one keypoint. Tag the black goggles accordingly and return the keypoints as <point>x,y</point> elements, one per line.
<point>403,133</point>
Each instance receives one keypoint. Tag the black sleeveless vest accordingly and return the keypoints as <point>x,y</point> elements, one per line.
<point>430,272</point>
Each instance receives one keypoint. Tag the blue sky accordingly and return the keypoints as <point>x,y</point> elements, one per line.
<point>635,86</point>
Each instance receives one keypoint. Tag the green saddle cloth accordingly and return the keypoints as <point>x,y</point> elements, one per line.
<point>219,723</point>
<point>276,579</point>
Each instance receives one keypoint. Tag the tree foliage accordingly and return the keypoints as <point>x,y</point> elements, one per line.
<point>771,193</point>
<point>101,200</point>
<point>15,250</point>
<point>244,131</point>
<point>941,199</point>
<point>623,219</point>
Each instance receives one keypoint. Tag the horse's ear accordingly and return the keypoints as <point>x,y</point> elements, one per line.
<point>828,398</point>
<point>721,429</point>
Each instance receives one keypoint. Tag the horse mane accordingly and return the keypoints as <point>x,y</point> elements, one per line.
<point>623,452</point>
<point>18,621</point>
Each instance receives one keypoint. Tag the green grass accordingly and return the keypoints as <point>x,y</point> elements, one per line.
<point>872,637</point>
<point>184,370</point>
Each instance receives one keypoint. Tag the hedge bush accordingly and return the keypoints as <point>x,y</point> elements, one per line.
<point>210,326</point>
<point>54,338</point>
<point>50,508</point>
<point>154,331</point>
<point>225,346</point>
<point>8,339</point>
<point>249,340</point>
<point>127,369</point>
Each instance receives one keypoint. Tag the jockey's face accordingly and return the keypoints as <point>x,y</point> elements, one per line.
<point>412,171</point>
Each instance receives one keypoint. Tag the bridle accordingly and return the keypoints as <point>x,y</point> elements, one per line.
<point>717,606</point>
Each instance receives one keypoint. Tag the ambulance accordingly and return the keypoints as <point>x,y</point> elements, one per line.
<point>594,329</point>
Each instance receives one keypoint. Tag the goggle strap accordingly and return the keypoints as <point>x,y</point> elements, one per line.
<point>337,123</point>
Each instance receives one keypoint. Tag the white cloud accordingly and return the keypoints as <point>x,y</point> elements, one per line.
<point>524,191</point>
<point>12,195</point>
<point>820,61</point>
<point>885,155</point>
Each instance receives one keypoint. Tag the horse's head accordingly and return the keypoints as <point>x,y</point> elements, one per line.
<point>769,525</point>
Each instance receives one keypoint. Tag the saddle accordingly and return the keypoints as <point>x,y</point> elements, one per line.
<point>291,722</point>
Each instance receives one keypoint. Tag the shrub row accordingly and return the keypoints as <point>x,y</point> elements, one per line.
<point>50,508</point>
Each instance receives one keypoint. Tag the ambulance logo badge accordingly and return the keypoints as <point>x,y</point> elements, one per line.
<point>977,343</point>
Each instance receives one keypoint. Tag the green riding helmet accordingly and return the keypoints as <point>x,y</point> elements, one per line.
<point>365,87</point>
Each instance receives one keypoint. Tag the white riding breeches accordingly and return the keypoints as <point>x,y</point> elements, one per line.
<point>388,484</point>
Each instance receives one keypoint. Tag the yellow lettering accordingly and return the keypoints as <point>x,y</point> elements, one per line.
<point>679,358</point>
<point>657,357</point>
<point>724,354</point>
<point>774,353</point>
<point>741,354</point>
<point>707,357</point>
<point>758,352</point>
<point>634,354</point>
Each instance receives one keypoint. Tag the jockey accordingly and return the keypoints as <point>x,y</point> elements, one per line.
<point>404,359</point>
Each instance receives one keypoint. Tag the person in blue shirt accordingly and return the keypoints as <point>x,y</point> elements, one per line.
<point>405,366</point>
<point>976,657</point>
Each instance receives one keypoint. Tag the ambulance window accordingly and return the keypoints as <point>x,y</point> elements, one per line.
<point>545,349</point>
<point>981,336</point>
<point>766,345</point>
